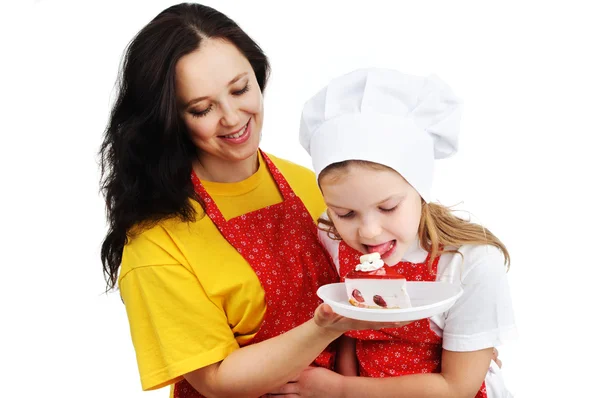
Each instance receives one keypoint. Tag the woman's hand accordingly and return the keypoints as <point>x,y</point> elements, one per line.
<point>327,319</point>
<point>312,382</point>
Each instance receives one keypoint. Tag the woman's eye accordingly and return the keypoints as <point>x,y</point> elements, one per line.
<point>347,215</point>
<point>201,113</point>
<point>389,210</point>
<point>242,91</point>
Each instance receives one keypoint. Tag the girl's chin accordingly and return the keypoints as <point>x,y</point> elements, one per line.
<point>395,257</point>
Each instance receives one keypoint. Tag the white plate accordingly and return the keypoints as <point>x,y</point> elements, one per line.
<point>428,299</point>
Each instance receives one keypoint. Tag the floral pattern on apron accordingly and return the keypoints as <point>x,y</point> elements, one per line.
<point>280,242</point>
<point>414,348</point>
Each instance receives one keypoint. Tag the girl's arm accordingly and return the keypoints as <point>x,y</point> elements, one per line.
<point>346,363</point>
<point>481,316</point>
<point>461,377</point>
<point>257,369</point>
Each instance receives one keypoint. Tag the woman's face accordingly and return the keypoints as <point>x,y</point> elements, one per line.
<point>219,101</point>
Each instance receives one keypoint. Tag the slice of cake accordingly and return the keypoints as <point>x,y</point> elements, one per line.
<point>374,284</point>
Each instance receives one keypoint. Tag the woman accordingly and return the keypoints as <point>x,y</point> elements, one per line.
<point>212,243</point>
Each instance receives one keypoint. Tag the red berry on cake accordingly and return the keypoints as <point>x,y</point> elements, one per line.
<point>377,299</point>
<point>358,296</point>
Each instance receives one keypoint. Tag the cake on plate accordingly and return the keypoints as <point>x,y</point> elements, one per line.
<point>374,284</point>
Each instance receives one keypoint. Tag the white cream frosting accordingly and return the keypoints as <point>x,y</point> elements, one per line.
<point>370,262</point>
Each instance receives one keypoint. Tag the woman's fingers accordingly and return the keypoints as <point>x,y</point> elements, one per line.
<point>285,390</point>
<point>325,317</point>
<point>387,325</point>
<point>363,325</point>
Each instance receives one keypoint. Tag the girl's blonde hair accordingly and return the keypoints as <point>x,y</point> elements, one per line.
<point>439,229</point>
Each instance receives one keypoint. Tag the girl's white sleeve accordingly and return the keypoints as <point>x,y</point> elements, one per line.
<point>483,316</point>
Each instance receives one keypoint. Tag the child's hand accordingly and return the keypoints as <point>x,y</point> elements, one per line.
<point>326,318</point>
<point>495,357</point>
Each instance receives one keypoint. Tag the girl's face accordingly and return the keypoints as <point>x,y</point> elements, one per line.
<point>373,210</point>
<point>219,101</point>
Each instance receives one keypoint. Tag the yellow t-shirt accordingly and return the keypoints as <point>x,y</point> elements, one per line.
<point>191,298</point>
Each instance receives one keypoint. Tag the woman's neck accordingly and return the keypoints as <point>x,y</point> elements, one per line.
<point>214,169</point>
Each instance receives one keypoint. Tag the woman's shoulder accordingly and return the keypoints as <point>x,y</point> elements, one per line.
<point>163,242</point>
<point>162,228</point>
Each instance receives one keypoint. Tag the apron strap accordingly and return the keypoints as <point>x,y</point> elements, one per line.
<point>213,211</point>
<point>211,208</point>
<point>284,187</point>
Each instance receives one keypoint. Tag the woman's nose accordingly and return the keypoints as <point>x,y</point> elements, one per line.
<point>230,117</point>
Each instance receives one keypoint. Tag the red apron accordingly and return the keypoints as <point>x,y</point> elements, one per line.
<point>281,244</point>
<point>414,348</point>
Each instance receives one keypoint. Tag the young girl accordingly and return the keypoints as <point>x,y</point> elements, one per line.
<point>373,136</point>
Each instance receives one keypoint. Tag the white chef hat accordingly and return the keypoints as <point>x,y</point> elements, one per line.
<point>383,116</point>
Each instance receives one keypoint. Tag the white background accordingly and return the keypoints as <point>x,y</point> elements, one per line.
<point>526,168</point>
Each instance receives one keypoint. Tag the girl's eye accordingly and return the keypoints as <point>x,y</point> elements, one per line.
<point>347,215</point>
<point>201,113</point>
<point>242,91</point>
<point>391,209</point>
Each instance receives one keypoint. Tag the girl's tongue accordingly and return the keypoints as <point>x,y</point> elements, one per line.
<point>382,248</point>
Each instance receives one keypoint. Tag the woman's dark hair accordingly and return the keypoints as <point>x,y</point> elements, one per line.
<point>146,155</point>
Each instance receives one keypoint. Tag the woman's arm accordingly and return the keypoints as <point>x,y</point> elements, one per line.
<point>249,371</point>
<point>346,363</point>
<point>257,369</point>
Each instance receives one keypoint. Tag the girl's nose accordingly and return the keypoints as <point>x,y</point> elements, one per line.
<point>369,229</point>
